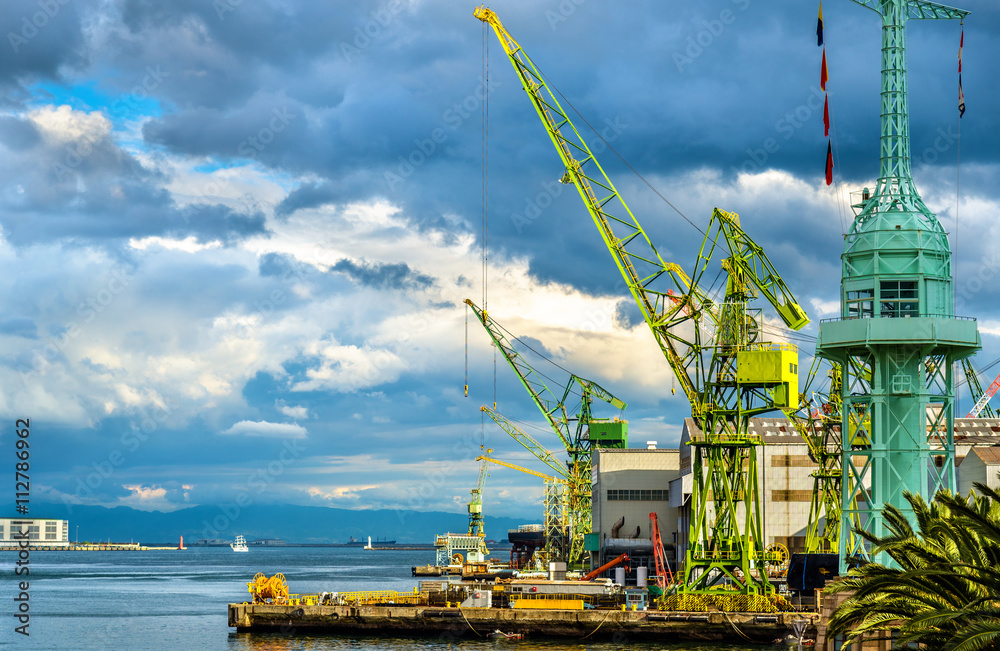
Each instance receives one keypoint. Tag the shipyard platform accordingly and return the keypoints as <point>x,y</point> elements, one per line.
<point>472,623</point>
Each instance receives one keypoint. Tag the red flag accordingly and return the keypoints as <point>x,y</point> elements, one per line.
<point>826,115</point>
<point>823,76</point>
<point>961,44</point>
<point>829,163</point>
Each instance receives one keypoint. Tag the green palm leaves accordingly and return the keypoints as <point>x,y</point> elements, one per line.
<point>944,590</point>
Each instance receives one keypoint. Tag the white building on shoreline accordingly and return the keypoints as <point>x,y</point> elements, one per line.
<point>42,532</point>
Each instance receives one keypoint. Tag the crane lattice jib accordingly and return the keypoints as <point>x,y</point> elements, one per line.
<point>595,390</point>
<point>748,256</point>
<point>553,409</point>
<point>819,427</point>
<point>894,188</point>
<point>662,290</point>
<point>976,389</point>
<point>576,475</point>
<point>919,9</point>
<point>589,390</point>
<point>476,523</point>
<point>531,445</point>
<point>481,484</point>
<point>984,398</point>
<point>528,471</point>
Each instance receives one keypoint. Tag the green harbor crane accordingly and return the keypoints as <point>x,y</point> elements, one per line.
<point>727,376</point>
<point>579,433</point>
<point>449,545</point>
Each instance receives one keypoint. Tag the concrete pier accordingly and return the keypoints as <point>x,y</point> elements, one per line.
<point>472,623</point>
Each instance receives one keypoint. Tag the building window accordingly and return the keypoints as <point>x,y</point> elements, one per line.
<point>861,304</point>
<point>637,495</point>
<point>33,533</point>
<point>898,298</point>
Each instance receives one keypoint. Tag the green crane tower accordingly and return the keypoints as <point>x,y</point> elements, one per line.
<point>897,338</point>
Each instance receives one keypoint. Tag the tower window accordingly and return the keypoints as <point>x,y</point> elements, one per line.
<point>861,304</point>
<point>898,298</point>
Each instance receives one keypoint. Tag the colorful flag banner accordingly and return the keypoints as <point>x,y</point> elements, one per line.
<point>826,115</point>
<point>819,26</point>
<point>823,76</point>
<point>829,163</point>
<point>961,93</point>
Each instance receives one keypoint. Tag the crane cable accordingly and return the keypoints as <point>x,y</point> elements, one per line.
<point>649,185</point>
<point>486,194</point>
<point>467,351</point>
<point>486,156</point>
<point>573,391</point>
<point>958,155</point>
<point>958,177</point>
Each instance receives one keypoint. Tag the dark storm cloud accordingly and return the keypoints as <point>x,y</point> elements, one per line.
<point>357,104</point>
<point>17,134</point>
<point>92,484</point>
<point>627,314</point>
<point>89,187</point>
<point>276,264</point>
<point>220,222</point>
<point>384,99</point>
<point>533,346</point>
<point>38,39</point>
<point>383,275</point>
<point>394,111</point>
<point>353,186</point>
<point>262,131</point>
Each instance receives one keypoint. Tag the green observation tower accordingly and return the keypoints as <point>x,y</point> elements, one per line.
<point>897,338</point>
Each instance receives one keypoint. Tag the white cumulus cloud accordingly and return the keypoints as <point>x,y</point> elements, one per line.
<point>264,428</point>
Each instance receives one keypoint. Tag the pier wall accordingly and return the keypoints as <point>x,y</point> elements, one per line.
<point>472,623</point>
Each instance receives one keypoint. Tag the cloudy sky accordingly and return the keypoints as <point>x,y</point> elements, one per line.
<point>235,235</point>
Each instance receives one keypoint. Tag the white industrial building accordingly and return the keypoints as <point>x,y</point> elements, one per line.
<point>628,485</point>
<point>632,483</point>
<point>977,452</point>
<point>41,532</point>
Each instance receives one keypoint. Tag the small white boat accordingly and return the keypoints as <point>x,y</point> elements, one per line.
<point>240,545</point>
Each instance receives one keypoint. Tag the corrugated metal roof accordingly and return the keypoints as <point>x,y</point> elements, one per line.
<point>968,431</point>
<point>990,455</point>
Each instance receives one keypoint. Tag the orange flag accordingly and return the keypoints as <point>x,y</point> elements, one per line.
<point>823,76</point>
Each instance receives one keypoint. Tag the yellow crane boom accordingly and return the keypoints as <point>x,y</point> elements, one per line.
<point>507,464</point>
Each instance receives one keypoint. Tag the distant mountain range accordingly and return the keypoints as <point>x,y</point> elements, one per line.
<point>295,524</point>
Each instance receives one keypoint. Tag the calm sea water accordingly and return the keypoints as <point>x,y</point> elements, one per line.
<point>177,599</point>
